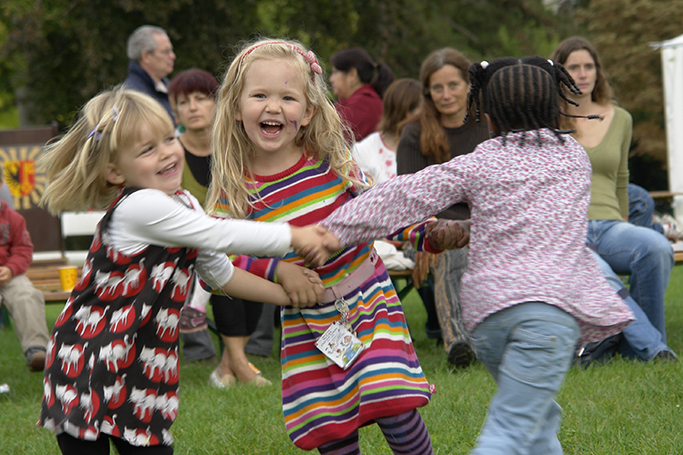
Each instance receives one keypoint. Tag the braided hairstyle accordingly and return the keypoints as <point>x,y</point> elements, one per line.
<point>520,95</point>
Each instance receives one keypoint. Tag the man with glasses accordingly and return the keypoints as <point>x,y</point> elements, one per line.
<point>151,59</point>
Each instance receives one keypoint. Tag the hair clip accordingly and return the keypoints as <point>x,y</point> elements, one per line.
<point>484,64</point>
<point>551,62</point>
<point>115,112</point>
<point>312,60</point>
<point>94,132</point>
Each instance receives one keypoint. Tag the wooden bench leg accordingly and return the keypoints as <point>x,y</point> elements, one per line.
<point>403,291</point>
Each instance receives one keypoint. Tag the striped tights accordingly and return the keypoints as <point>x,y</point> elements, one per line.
<point>406,434</point>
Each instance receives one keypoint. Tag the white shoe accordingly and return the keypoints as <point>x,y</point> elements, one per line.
<point>224,382</point>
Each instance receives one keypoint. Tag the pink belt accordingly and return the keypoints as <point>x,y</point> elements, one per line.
<point>353,280</point>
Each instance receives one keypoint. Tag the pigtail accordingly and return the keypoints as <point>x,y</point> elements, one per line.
<point>563,77</point>
<point>477,76</point>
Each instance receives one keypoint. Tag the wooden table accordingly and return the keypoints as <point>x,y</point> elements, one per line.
<point>45,277</point>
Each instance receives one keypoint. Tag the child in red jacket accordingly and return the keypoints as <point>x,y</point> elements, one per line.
<point>24,303</point>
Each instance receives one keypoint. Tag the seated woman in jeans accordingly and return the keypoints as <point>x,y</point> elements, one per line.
<point>641,340</point>
<point>633,250</point>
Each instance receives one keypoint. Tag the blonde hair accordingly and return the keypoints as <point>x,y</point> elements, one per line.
<point>323,137</point>
<point>77,163</point>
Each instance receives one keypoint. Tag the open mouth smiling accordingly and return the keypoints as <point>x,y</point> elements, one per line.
<point>271,128</point>
<point>170,168</point>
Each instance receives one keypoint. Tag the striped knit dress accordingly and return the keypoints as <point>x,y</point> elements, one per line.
<point>321,401</point>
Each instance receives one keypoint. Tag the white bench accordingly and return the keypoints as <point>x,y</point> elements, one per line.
<point>72,224</point>
<point>44,270</point>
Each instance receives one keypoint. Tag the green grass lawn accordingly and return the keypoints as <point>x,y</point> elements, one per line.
<point>621,408</point>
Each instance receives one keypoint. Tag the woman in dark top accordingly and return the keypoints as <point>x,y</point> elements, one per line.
<point>359,83</point>
<point>436,134</point>
<point>192,93</point>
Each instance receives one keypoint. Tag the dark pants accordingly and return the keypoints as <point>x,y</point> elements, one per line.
<point>73,446</point>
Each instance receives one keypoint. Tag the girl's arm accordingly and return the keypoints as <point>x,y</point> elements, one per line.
<point>401,201</point>
<point>218,272</point>
<point>246,286</point>
<point>416,235</point>
<point>151,217</point>
<point>441,235</point>
<point>438,235</point>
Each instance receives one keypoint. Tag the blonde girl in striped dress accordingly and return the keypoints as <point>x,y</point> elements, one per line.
<point>280,155</point>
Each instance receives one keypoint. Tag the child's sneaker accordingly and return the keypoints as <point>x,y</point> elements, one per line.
<point>191,320</point>
<point>672,228</point>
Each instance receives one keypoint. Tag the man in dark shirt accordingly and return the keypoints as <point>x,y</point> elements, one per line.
<point>151,59</point>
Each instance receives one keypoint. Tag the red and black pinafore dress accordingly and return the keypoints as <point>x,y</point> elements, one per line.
<point>112,359</point>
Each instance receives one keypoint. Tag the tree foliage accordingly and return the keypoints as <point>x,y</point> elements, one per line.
<point>56,54</point>
<point>71,49</point>
<point>622,31</point>
<point>59,53</point>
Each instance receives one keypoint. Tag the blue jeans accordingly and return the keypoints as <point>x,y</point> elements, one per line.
<point>642,253</point>
<point>528,349</point>
<point>641,207</point>
<point>643,340</point>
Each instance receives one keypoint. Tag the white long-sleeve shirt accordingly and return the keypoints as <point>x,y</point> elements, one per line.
<point>151,217</point>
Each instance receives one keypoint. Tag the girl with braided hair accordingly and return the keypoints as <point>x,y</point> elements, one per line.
<point>532,288</point>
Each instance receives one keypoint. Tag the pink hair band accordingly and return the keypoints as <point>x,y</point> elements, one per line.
<point>309,56</point>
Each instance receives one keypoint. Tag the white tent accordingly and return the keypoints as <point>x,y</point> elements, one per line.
<point>672,74</point>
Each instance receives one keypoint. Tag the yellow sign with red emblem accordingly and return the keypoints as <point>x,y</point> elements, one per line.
<point>23,174</point>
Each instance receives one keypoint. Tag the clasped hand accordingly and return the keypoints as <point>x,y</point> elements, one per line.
<point>303,286</point>
<point>448,234</point>
<point>314,243</point>
<point>442,235</point>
